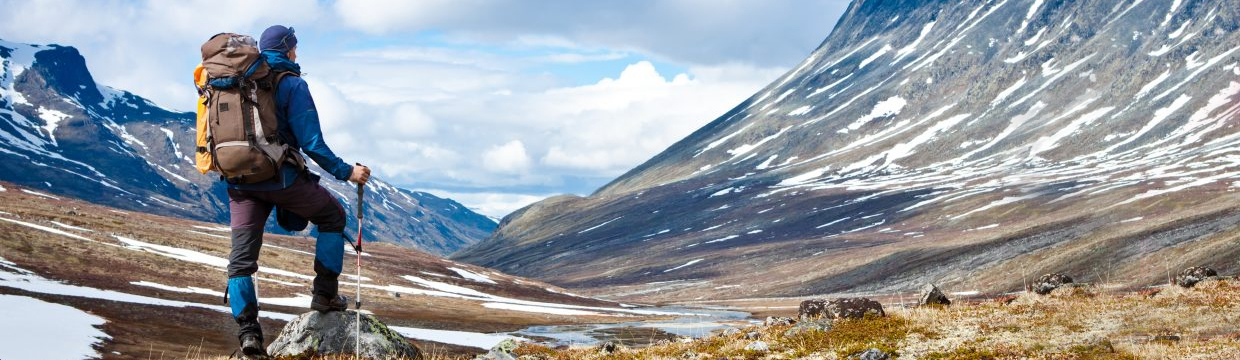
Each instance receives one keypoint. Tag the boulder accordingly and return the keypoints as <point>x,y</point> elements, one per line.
<point>501,351</point>
<point>1193,275</point>
<point>610,347</point>
<point>850,308</point>
<point>871,354</point>
<point>335,333</point>
<point>778,321</point>
<point>1049,282</point>
<point>758,346</point>
<point>930,295</point>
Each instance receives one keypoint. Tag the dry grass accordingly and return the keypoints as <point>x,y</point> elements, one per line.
<point>1071,323</point>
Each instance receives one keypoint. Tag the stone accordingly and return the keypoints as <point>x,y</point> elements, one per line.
<point>1167,338</point>
<point>1189,277</point>
<point>1049,282</point>
<point>871,354</point>
<point>335,333</point>
<point>753,335</point>
<point>758,346</point>
<point>809,326</point>
<point>609,347</point>
<point>846,308</point>
<point>931,295</point>
<point>501,351</point>
<point>778,321</point>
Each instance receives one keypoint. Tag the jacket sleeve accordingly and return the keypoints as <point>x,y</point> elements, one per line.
<point>304,122</point>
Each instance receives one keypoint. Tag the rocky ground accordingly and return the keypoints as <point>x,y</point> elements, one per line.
<point>1071,322</point>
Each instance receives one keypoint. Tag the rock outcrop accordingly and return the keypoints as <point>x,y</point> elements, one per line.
<point>501,351</point>
<point>931,295</point>
<point>1049,282</point>
<point>335,333</point>
<point>1189,277</point>
<point>846,308</point>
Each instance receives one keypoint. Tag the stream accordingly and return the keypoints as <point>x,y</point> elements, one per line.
<point>696,322</point>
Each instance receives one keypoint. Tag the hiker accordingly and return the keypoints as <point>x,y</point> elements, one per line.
<point>291,190</point>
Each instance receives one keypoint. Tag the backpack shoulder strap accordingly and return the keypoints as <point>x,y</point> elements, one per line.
<point>278,76</point>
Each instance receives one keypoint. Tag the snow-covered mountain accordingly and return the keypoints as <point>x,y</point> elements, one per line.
<point>971,143</point>
<point>63,133</point>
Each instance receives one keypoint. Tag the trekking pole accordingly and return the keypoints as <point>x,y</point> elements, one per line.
<point>357,342</point>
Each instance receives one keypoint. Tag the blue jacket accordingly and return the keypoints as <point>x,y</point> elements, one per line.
<point>299,127</point>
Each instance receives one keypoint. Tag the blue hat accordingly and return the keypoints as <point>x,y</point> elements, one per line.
<point>278,38</point>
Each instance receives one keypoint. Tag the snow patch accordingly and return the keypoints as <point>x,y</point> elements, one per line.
<point>462,338</point>
<point>886,48</point>
<point>691,262</point>
<point>599,225</point>
<point>51,119</point>
<point>71,227</point>
<point>44,330</point>
<point>472,275</point>
<point>36,193</point>
<point>889,107</point>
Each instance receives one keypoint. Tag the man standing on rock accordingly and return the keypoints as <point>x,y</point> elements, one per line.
<point>295,192</point>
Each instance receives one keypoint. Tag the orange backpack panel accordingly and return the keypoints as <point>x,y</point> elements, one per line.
<point>202,157</point>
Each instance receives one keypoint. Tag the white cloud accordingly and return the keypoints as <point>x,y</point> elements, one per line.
<point>493,204</point>
<point>509,158</point>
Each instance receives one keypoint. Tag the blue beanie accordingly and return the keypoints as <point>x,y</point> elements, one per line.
<point>278,38</point>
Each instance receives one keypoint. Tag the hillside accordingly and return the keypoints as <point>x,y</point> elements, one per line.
<point>83,280</point>
<point>63,133</point>
<point>969,143</point>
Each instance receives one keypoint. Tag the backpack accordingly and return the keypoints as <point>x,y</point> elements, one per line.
<point>238,132</point>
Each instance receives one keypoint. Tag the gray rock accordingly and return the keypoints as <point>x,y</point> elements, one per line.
<point>930,295</point>
<point>851,308</point>
<point>871,354</point>
<point>752,335</point>
<point>778,320</point>
<point>609,347</point>
<point>501,351</point>
<point>334,333</point>
<point>808,326</point>
<point>1049,282</point>
<point>760,346</point>
<point>1189,277</point>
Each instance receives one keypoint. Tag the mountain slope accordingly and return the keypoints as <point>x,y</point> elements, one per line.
<point>969,143</point>
<point>63,133</point>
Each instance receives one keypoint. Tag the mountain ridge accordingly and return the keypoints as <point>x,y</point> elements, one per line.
<point>62,132</point>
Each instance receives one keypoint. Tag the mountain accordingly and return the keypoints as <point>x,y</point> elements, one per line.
<point>971,143</point>
<point>63,133</point>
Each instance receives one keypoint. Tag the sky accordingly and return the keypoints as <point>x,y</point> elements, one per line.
<point>493,103</point>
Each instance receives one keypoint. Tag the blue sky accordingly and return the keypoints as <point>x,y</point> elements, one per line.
<point>494,103</point>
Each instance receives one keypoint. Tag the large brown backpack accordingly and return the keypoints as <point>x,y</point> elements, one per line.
<point>239,98</point>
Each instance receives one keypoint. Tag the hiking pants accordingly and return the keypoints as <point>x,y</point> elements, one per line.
<point>249,211</point>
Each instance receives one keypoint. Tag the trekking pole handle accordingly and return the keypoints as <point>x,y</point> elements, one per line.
<point>361,189</point>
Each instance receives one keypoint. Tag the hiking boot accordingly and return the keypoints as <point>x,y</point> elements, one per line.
<point>252,347</point>
<point>324,304</point>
